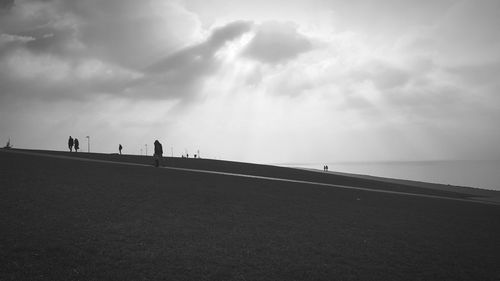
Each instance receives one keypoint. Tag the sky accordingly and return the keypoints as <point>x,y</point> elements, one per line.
<point>295,81</point>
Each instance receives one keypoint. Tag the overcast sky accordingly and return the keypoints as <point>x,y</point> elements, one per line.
<point>262,81</point>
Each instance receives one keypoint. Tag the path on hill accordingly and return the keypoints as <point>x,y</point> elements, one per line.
<point>259,177</point>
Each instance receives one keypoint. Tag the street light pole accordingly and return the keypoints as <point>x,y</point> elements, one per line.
<point>88,143</point>
<point>146,148</point>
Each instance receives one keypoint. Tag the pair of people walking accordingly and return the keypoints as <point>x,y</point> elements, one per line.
<point>73,143</point>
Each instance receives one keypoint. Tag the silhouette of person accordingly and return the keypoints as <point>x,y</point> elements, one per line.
<point>77,145</point>
<point>120,148</point>
<point>326,168</point>
<point>70,144</point>
<point>8,145</point>
<point>158,153</point>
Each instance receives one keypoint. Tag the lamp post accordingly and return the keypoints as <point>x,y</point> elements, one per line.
<point>146,145</point>
<point>88,143</point>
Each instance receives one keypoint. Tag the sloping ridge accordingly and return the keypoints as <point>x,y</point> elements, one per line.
<point>281,173</point>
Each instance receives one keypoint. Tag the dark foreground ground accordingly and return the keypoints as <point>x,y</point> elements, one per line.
<point>62,219</point>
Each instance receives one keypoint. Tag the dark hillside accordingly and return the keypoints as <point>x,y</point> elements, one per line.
<point>62,219</point>
<point>260,170</point>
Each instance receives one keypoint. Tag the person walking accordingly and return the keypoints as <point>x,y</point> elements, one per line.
<point>158,153</point>
<point>77,145</point>
<point>120,148</point>
<point>70,144</point>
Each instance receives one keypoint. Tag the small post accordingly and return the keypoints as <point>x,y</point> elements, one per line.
<point>88,144</point>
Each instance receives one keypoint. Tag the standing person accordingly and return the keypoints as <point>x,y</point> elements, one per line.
<point>77,145</point>
<point>70,144</point>
<point>120,148</point>
<point>158,153</point>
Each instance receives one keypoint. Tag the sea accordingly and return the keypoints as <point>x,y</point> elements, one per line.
<point>484,174</point>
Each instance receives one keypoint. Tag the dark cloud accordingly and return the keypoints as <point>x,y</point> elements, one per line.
<point>52,28</point>
<point>128,33</point>
<point>29,17</point>
<point>70,50</point>
<point>276,43</point>
<point>31,68</point>
<point>201,52</point>
<point>133,33</point>
<point>181,73</point>
<point>6,5</point>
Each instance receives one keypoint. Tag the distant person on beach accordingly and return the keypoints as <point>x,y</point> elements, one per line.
<point>70,144</point>
<point>326,168</point>
<point>77,145</point>
<point>8,145</point>
<point>120,148</point>
<point>158,153</point>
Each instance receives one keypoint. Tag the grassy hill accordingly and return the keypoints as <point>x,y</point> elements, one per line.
<point>63,219</point>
